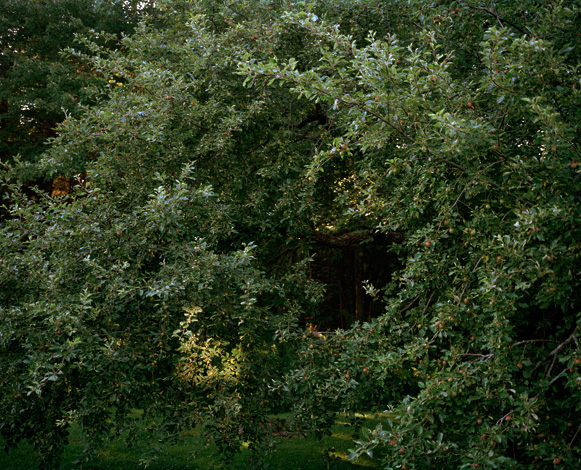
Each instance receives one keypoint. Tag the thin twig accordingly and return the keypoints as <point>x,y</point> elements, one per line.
<point>485,356</point>
<point>500,20</point>
<point>572,338</point>
<point>428,302</point>
<point>558,376</point>
<point>408,306</point>
<point>237,12</point>
<point>504,417</point>
<point>571,443</point>
<point>518,343</point>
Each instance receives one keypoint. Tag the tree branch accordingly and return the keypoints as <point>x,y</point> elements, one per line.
<point>500,20</point>
<point>356,237</point>
<point>571,339</point>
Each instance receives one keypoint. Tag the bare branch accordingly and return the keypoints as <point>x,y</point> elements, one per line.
<point>558,376</point>
<point>500,20</point>
<point>573,439</point>
<point>572,338</point>
<point>518,343</point>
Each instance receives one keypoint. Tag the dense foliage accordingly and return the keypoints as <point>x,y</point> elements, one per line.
<point>236,137</point>
<point>38,86</point>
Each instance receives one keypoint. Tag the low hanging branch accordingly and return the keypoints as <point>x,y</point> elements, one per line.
<point>357,237</point>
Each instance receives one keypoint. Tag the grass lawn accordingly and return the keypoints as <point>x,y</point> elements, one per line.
<point>295,454</point>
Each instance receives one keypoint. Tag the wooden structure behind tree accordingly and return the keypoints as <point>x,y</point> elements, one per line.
<point>345,263</point>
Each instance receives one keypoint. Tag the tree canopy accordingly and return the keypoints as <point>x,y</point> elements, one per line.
<point>39,87</point>
<point>233,140</point>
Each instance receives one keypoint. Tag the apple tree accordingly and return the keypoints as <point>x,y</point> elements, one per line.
<point>237,136</point>
<point>141,290</point>
<point>463,125</point>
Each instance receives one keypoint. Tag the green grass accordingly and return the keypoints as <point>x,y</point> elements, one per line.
<point>295,453</point>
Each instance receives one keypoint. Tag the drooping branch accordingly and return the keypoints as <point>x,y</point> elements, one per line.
<point>357,237</point>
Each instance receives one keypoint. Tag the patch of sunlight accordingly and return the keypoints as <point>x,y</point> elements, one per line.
<point>344,456</point>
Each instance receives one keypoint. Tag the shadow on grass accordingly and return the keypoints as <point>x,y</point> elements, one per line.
<point>292,453</point>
